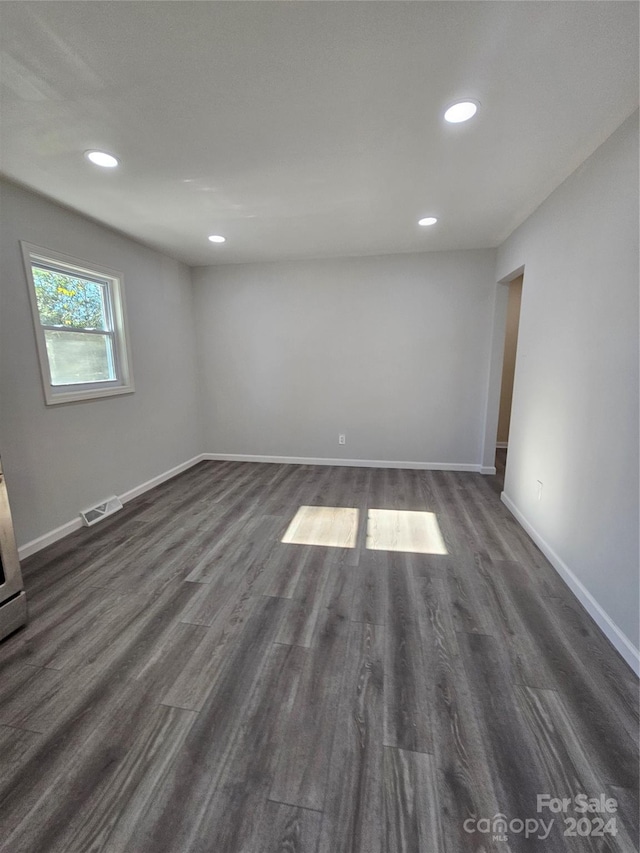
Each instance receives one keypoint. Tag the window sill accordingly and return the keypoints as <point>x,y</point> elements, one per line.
<point>55,399</point>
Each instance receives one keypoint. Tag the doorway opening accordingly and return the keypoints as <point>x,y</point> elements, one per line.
<point>508,374</point>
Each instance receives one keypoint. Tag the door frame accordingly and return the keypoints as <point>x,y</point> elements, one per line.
<point>494,379</point>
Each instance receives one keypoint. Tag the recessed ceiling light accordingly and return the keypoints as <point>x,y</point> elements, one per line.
<point>216,238</point>
<point>101,158</point>
<point>428,220</point>
<point>461,111</point>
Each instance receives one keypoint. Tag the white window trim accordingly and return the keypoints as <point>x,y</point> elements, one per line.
<point>53,394</point>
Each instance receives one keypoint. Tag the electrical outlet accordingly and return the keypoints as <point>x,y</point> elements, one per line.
<point>342,438</point>
<point>539,482</point>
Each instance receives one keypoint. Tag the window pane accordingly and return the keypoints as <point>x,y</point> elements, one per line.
<point>74,303</point>
<point>77,357</point>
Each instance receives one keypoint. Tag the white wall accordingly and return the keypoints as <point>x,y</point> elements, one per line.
<point>574,422</point>
<point>393,351</point>
<point>61,459</point>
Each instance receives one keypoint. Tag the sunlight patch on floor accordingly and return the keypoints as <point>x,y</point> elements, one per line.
<point>330,526</point>
<point>404,530</point>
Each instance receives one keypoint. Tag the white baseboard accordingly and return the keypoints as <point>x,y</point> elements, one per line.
<point>348,463</point>
<point>49,538</point>
<point>52,536</point>
<point>602,619</point>
<point>487,469</point>
<point>161,478</point>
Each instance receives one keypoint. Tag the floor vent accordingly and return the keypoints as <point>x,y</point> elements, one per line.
<point>100,511</point>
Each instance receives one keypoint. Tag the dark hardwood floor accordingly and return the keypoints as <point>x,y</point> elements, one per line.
<point>189,682</point>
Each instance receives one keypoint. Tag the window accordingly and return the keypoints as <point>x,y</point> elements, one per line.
<point>80,326</point>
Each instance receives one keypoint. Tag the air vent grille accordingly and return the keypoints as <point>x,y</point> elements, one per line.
<point>96,513</point>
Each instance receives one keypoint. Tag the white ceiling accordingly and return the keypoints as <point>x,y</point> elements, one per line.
<point>310,129</point>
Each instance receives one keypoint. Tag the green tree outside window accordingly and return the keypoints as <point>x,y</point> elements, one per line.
<point>69,302</point>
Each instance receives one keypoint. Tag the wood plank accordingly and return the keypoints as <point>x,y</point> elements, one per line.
<point>22,690</point>
<point>454,516</point>
<point>251,482</point>
<point>104,815</point>
<point>567,764</point>
<point>15,745</point>
<point>455,538</point>
<point>284,568</point>
<point>370,599</point>
<point>472,509</point>
<point>288,563</point>
<point>584,690</point>
<point>164,560</point>
<point>155,652</point>
<point>435,614</point>
<point>347,487</point>
<point>79,625</point>
<point>396,489</point>
<point>407,694</point>
<point>126,615</point>
<point>238,817</point>
<point>288,829</point>
<point>228,589</point>
<point>183,799</point>
<point>509,746</point>
<point>352,820</point>
<point>296,488</point>
<point>232,629</point>
<point>343,487</point>
<point>465,786</point>
<point>628,814</point>
<point>429,491</point>
<point>411,809</point>
<point>89,738</point>
<point>592,647</point>
<point>514,540</point>
<point>51,632</point>
<point>301,776</point>
<point>298,626</point>
<point>468,597</point>
<point>520,644</point>
<point>227,542</point>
